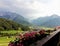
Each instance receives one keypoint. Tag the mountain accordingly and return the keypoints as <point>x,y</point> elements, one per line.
<point>14,16</point>
<point>11,25</point>
<point>48,21</point>
<point>8,25</point>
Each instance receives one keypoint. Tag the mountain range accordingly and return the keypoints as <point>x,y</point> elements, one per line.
<point>14,16</point>
<point>48,21</point>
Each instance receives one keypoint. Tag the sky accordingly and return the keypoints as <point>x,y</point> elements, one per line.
<point>32,9</point>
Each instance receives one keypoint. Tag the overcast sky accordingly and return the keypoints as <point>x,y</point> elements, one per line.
<point>32,8</point>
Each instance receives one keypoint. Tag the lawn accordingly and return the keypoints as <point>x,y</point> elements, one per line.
<point>5,40</point>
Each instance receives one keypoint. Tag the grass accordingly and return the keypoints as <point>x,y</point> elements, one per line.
<point>4,40</point>
<point>12,31</point>
<point>46,28</point>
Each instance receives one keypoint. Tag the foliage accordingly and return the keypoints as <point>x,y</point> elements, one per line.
<point>10,32</point>
<point>8,25</point>
<point>25,28</point>
<point>1,28</point>
<point>11,25</point>
<point>27,38</point>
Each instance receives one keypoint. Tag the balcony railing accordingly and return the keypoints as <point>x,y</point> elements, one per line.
<point>50,40</point>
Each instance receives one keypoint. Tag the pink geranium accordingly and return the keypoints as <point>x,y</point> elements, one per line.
<point>26,35</point>
<point>10,44</point>
<point>32,34</point>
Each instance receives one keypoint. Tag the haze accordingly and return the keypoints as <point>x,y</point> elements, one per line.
<point>32,9</point>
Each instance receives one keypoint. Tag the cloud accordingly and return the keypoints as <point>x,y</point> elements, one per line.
<point>32,8</point>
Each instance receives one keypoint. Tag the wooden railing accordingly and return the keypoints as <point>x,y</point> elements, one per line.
<point>50,40</point>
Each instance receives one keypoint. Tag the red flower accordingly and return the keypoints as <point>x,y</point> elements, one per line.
<point>26,35</point>
<point>10,44</point>
<point>32,34</point>
<point>20,44</point>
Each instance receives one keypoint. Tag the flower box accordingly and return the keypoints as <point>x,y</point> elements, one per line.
<point>28,38</point>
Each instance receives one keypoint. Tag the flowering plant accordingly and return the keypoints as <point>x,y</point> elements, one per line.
<point>28,38</point>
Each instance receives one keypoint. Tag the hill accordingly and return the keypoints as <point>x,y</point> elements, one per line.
<point>8,25</point>
<point>11,25</point>
<point>48,21</point>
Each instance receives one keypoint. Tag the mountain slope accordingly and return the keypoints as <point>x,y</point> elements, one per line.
<point>49,21</point>
<point>13,16</point>
<point>8,25</point>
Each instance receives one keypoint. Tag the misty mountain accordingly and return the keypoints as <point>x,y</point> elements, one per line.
<point>48,21</point>
<point>14,16</point>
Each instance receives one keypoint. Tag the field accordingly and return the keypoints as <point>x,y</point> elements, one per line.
<point>4,40</point>
<point>46,28</point>
<point>12,31</point>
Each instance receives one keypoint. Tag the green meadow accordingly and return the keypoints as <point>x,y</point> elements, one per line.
<point>5,40</point>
